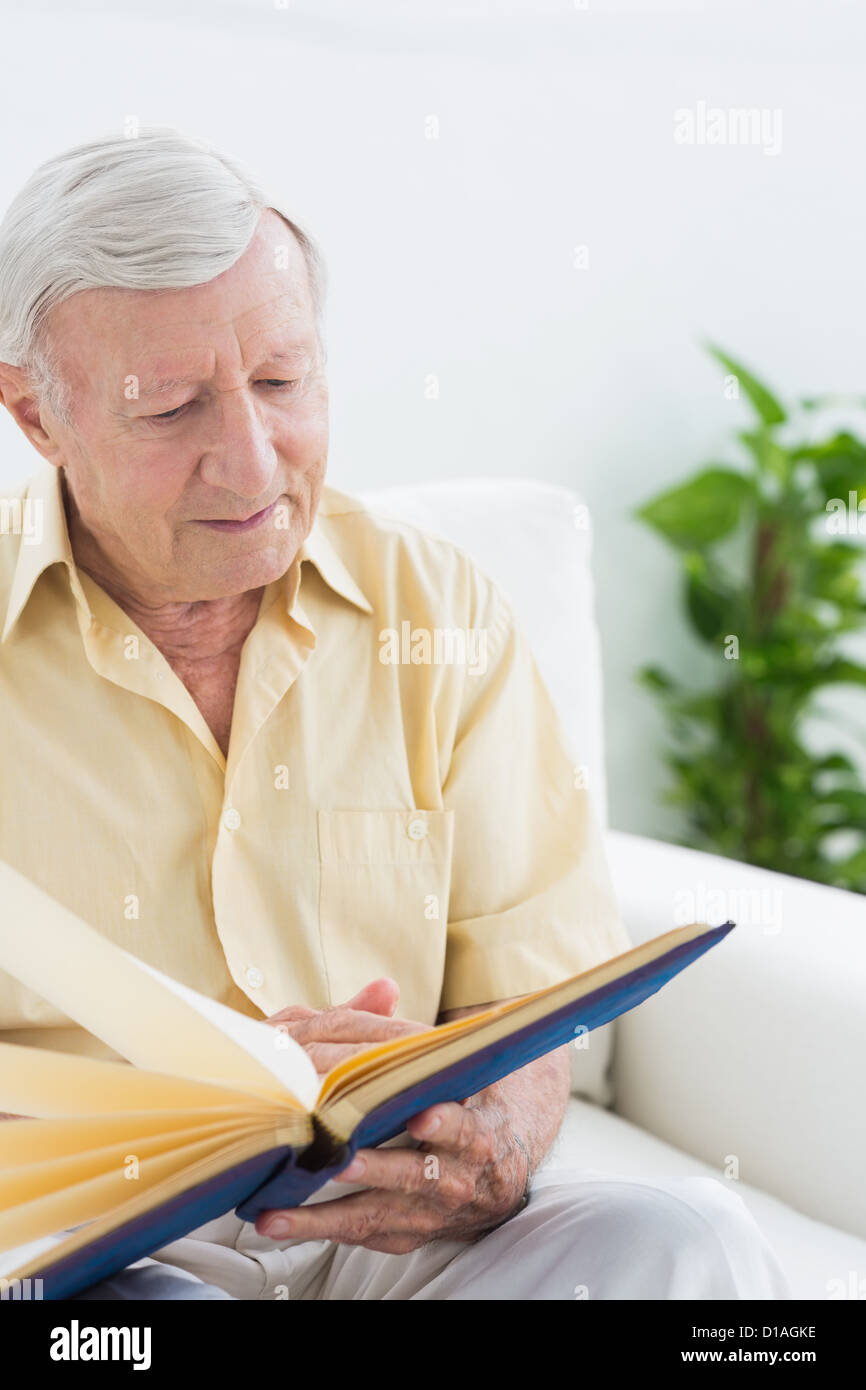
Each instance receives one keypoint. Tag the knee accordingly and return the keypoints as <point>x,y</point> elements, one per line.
<point>684,1238</point>
<point>715,1200</point>
<point>751,1263</point>
<point>666,1241</point>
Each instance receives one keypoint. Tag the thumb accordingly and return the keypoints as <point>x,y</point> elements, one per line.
<point>378,997</point>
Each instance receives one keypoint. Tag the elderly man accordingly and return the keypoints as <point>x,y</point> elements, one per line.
<point>209,755</point>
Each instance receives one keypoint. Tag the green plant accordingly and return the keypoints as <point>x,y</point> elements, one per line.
<point>772,553</point>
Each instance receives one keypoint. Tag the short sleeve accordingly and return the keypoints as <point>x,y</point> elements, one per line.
<point>531,899</point>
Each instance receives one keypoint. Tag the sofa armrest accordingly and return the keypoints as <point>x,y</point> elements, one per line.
<point>754,1058</point>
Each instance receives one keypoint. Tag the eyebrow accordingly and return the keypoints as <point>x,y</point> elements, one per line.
<point>290,355</point>
<point>163,385</point>
<point>162,388</point>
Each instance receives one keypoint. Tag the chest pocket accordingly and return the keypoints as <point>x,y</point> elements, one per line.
<point>384,878</point>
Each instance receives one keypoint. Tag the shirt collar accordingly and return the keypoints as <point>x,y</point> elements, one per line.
<point>45,497</point>
<point>319,550</point>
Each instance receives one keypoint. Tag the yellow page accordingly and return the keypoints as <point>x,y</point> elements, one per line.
<point>155,1022</point>
<point>103,1199</point>
<point>355,1088</point>
<point>35,1082</point>
<point>80,1150</point>
<point>60,1172</point>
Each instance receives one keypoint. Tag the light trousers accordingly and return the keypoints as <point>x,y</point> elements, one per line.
<point>584,1235</point>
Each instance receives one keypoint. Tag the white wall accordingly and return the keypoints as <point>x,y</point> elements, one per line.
<point>455,256</point>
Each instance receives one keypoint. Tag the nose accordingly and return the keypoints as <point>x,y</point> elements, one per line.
<point>240,456</point>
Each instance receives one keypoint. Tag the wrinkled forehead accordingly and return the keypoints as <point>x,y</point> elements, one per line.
<point>259,310</point>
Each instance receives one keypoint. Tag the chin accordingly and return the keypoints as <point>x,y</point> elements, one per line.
<point>237,574</point>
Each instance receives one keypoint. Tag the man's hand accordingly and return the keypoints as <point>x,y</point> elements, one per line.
<point>331,1035</point>
<point>468,1175</point>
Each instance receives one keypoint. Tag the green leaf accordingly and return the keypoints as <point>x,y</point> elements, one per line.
<point>851,800</point>
<point>834,762</point>
<point>851,873</point>
<point>806,680</point>
<point>856,865</point>
<point>831,561</point>
<point>702,707</point>
<point>840,463</point>
<point>700,511</point>
<point>655,679</point>
<point>709,607</point>
<point>832,401</point>
<point>841,672</point>
<point>764,402</point>
<point>770,456</point>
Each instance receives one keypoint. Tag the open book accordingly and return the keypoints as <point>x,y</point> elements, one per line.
<point>220,1111</point>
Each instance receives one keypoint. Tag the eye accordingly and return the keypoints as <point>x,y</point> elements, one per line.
<point>166,416</point>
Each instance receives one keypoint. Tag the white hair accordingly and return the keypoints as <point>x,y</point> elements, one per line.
<point>159,211</point>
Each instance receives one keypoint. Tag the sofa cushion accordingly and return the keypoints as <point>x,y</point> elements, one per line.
<point>820,1261</point>
<point>756,1051</point>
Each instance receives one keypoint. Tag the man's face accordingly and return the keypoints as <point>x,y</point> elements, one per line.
<point>197,449</point>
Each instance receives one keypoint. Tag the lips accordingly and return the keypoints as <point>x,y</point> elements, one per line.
<point>235,527</point>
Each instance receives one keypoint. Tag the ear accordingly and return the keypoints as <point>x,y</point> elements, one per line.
<point>19,397</point>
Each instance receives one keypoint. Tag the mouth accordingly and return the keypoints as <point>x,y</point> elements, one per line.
<point>248,524</point>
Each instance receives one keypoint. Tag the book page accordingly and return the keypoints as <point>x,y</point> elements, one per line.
<point>157,1023</point>
<point>354,1088</point>
<point>69,1220</point>
<point>39,1084</point>
<point>98,1190</point>
<point>273,1048</point>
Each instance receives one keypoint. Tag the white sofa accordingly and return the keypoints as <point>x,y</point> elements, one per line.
<point>750,1066</point>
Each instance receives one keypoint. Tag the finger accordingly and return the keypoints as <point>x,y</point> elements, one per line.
<point>378,997</point>
<point>352,1026</point>
<point>432,1179</point>
<point>355,1220</point>
<point>291,1014</point>
<point>391,1170</point>
<point>447,1125</point>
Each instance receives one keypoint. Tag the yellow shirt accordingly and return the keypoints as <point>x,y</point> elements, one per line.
<point>397,798</point>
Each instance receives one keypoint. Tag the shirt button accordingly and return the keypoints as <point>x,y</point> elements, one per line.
<point>232,819</point>
<point>416,829</point>
<point>254,977</point>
